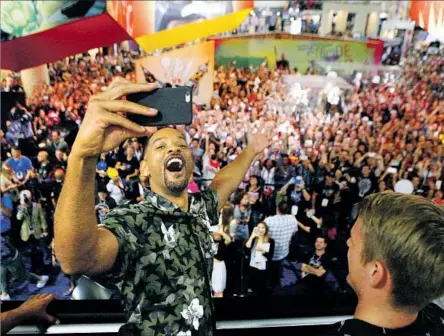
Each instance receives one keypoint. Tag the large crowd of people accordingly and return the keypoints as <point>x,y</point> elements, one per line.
<point>285,230</point>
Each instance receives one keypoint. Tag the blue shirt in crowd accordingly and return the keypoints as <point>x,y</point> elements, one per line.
<point>20,166</point>
<point>5,220</point>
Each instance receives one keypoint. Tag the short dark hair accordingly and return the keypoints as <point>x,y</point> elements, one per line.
<point>322,237</point>
<point>406,233</point>
<point>284,208</point>
<point>17,148</point>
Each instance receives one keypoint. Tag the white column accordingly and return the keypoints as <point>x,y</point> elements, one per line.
<point>341,21</point>
<point>33,77</point>
<point>372,25</point>
<point>326,21</point>
<point>360,23</point>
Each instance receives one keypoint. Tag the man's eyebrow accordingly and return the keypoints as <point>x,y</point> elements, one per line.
<point>158,139</point>
<point>182,137</point>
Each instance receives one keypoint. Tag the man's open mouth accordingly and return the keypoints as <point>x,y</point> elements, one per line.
<point>175,163</point>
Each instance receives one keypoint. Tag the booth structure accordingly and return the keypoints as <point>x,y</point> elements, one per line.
<point>366,20</point>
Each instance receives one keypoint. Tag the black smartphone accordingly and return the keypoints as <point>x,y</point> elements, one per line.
<point>174,106</point>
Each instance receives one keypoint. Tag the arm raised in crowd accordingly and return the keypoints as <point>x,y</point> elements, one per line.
<point>228,179</point>
<point>80,246</point>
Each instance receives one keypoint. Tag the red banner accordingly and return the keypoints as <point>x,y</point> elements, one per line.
<point>429,15</point>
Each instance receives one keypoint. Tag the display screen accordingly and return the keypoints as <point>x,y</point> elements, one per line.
<point>23,18</point>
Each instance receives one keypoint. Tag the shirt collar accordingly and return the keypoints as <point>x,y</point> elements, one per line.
<point>161,205</point>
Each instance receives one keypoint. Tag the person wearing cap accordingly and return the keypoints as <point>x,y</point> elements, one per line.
<point>115,186</point>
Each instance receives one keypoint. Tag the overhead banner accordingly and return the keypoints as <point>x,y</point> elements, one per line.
<point>23,18</point>
<point>192,66</point>
<point>35,32</point>
<point>300,53</point>
<point>429,15</point>
<point>160,24</point>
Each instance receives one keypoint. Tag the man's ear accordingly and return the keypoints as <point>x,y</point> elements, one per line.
<point>378,274</point>
<point>144,169</point>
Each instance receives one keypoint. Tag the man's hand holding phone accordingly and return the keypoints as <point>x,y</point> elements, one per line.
<point>103,129</point>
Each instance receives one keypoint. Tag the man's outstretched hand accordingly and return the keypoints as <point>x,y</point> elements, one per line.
<point>32,310</point>
<point>259,138</point>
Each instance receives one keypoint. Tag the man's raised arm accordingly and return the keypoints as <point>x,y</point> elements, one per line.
<point>228,179</point>
<point>80,246</point>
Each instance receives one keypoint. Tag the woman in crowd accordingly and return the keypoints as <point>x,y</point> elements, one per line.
<point>262,250</point>
<point>239,230</point>
<point>254,192</point>
<point>222,239</point>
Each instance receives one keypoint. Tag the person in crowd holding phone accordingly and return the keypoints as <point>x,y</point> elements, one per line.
<point>104,205</point>
<point>254,189</point>
<point>262,250</point>
<point>34,228</point>
<point>396,263</point>
<point>160,250</point>
<point>222,239</point>
<point>240,229</point>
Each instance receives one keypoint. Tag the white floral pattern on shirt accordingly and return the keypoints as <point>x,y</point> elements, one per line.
<point>193,313</point>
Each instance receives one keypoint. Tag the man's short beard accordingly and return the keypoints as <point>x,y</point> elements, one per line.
<point>176,187</point>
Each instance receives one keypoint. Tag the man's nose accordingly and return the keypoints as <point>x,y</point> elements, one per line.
<point>174,149</point>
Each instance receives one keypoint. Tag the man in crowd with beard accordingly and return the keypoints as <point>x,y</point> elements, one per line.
<point>160,250</point>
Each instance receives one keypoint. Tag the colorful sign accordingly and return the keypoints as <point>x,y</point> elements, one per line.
<point>192,66</point>
<point>300,53</point>
<point>141,18</point>
<point>176,22</point>
<point>23,18</point>
<point>429,16</point>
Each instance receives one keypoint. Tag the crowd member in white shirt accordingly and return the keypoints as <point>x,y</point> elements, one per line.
<point>115,186</point>
<point>262,250</point>
<point>281,228</point>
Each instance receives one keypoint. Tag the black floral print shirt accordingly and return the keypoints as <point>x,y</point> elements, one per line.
<point>164,264</point>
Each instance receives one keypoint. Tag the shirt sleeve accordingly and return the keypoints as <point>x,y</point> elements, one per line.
<point>28,164</point>
<point>7,202</point>
<point>209,197</point>
<point>124,229</point>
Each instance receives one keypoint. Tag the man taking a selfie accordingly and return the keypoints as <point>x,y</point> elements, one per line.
<point>159,251</point>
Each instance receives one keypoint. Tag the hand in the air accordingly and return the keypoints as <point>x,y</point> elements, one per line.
<point>259,139</point>
<point>103,129</point>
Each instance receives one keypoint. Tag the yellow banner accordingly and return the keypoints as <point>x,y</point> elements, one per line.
<point>192,66</point>
<point>192,31</point>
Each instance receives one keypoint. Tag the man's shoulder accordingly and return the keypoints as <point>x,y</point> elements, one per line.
<point>206,195</point>
<point>126,214</point>
<point>430,322</point>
